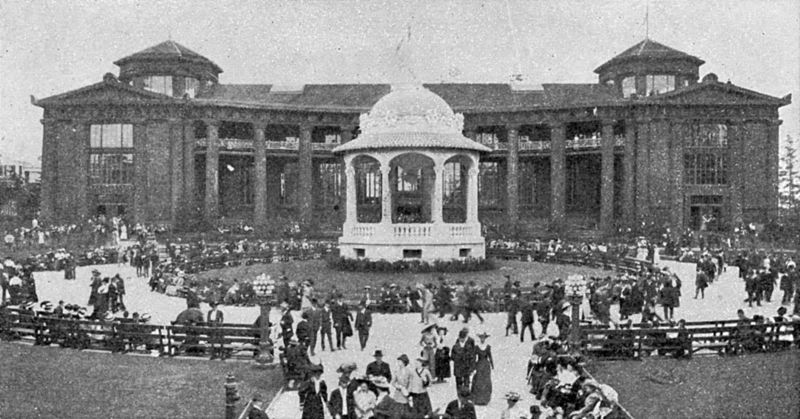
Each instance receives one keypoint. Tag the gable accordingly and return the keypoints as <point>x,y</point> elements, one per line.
<point>717,94</point>
<point>105,92</point>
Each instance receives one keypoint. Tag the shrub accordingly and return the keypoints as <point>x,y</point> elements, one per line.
<point>413,265</point>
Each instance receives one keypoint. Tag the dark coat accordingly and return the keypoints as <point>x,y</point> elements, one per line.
<point>325,319</point>
<point>286,324</point>
<point>527,313</point>
<point>363,321</point>
<point>454,411</point>
<point>315,319</point>
<point>336,403</point>
<point>312,401</point>
<point>341,319</point>
<point>379,369</point>
<point>303,331</point>
<point>463,358</point>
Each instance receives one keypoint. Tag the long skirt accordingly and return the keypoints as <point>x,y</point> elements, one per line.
<point>442,361</point>
<point>429,353</point>
<point>422,404</point>
<point>482,383</point>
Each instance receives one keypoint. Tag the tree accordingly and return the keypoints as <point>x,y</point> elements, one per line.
<point>789,181</point>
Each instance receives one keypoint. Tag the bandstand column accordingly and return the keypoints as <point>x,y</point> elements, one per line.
<point>211,207</point>
<point>607,177</point>
<point>190,197</point>
<point>350,194</point>
<point>472,194</point>
<point>386,194</point>
<point>260,161</point>
<point>345,136</point>
<point>558,175</point>
<point>436,205</point>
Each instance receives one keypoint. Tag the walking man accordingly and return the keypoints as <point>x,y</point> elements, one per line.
<point>363,323</point>
<point>463,355</point>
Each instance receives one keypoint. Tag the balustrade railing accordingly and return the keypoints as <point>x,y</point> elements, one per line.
<point>362,231</point>
<point>410,230</point>
<point>461,231</point>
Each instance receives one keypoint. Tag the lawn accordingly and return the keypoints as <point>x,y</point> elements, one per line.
<point>64,383</point>
<point>324,278</point>
<point>748,386</point>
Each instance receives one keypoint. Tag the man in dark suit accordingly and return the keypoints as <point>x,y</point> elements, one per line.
<point>363,323</point>
<point>461,408</point>
<point>463,355</point>
<point>339,405</point>
<point>325,325</point>
<point>313,393</point>
<point>526,319</point>
<point>314,322</point>
<point>303,330</point>
<point>286,324</point>
<point>341,322</point>
<point>378,368</point>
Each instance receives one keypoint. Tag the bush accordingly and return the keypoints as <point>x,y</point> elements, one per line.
<point>410,265</point>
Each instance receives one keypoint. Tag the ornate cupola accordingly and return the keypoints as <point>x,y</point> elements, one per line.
<point>168,68</point>
<point>649,68</point>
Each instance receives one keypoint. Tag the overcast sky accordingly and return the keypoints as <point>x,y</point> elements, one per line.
<point>49,47</point>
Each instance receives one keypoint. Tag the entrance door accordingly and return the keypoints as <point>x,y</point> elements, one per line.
<point>705,213</point>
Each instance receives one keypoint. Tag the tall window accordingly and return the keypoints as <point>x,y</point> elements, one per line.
<point>159,84</point>
<point>191,87</point>
<point>490,184</point>
<point>660,83</point>
<point>288,184</point>
<point>628,86</point>
<point>408,180</point>
<point>527,182</point>
<point>111,154</point>
<point>330,179</point>
<point>368,183</point>
<point>706,157</point>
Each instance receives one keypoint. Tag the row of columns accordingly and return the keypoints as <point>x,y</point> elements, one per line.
<point>305,178</point>
<point>211,195</point>
<point>436,201</point>
<point>558,174</point>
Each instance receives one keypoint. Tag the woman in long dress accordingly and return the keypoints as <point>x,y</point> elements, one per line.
<point>428,343</point>
<point>482,381</point>
<point>442,356</point>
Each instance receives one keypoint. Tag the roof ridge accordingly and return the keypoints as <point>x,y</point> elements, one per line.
<point>175,45</point>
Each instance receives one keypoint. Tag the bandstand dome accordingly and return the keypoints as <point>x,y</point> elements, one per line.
<point>412,182</point>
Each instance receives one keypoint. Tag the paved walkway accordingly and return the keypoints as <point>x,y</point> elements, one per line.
<point>399,333</point>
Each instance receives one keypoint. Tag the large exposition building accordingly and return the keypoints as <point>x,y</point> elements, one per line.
<point>166,142</point>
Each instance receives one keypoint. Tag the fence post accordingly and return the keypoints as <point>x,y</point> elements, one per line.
<point>231,396</point>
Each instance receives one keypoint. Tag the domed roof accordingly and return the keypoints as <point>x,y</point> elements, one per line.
<point>411,116</point>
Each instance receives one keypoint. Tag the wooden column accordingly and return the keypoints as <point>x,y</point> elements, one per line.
<point>260,187</point>
<point>189,191</point>
<point>642,166</point>
<point>629,180</point>
<point>305,178</point>
<point>512,175</point>
<point>176,169</point>
<point>558,175</point>
<point>211,207</point>
<point>607,178</point>
<point>773,155</point>
<point>678,133</point>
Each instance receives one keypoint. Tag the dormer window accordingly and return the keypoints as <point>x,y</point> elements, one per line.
<point>191,87</point>
<point>159,84</point>
<point>660,83</point>
<point>628,86</point>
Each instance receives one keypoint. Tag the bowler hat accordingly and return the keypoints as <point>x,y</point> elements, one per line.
<point>378,353</point>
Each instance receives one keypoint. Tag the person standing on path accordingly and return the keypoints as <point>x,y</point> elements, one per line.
<point>427,302</point>
<point>482,380</point>
<point>463,356</point>
<point>363,324</point>
<point>315,323</point>
<point>341,322</point>
<point>700,283</point>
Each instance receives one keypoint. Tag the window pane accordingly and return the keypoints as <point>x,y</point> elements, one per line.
<point>95,136</point>
<point>191,87</point>
<point>628,86</point>
<point>112,134</point>
<point>167,90</point>
<point>127,136</point>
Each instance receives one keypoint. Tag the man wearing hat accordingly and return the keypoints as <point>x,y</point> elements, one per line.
<point>461,408</point>
<point>379,368</point>
<point>286,323</point>
<point>313,394</point>
<point>463,356</point>
<point>363,323</point>
<point>339,406</point>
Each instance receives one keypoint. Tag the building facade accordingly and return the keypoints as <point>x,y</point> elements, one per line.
<point>166,142</point>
